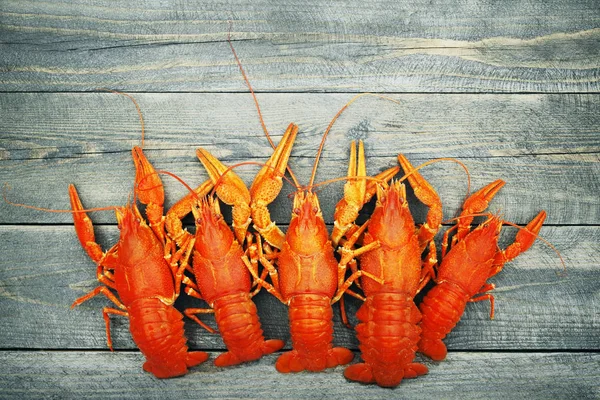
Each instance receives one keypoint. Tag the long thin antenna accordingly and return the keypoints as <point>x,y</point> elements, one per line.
<point>404,177</point>
<point>435,160</point>
<point>314,170</point>
<point>137,107</point>
<point>260,117</point>
<point>6,188</point>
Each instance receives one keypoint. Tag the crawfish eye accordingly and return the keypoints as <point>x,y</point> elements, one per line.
<point>297,211</point>
<point>315,210</point>
<point>199,221</point>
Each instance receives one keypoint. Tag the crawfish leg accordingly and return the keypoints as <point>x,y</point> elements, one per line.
<point>263,276</point>
<point>257,254</point>
<point>106,292</point>
<point>486,296</point>
<point>428,196</point>
<point>348,257</point>
<point>254,252</point>
<point>270,288</point>
<point>104,267</point>
<point>428,271</point>
<point>99,290</point>
<point>105,312</point>
<point>179,263</point>
<point>191,314</point>
<point>342,266</point>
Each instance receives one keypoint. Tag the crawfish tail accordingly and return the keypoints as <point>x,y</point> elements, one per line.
<point>441,310</point>
<point>240,329</point>
<point>157,329</point>
<point>388,334</point>
<point>311,329</point>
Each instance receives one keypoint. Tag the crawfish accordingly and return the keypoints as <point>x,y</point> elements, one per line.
<point>463,273</point>
<point>222,278</point>
<point>388,330</point>
<point>305,273</point>
<point>137,269</point>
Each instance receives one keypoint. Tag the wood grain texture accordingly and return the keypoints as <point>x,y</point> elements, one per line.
<point>45,270</point>
<point>525,46</point>
<point>510,88</point>
<point>545,146</point>
<point>464,375</point>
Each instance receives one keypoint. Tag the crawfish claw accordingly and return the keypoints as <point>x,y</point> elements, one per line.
<point>355,192</point>
<point>84,227</point>
<point>230,189</point>
<point>523,241</point>
<point>479,200</point>
<point>267,185</point>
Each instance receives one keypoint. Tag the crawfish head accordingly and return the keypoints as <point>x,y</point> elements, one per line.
<point>137,242</point>
<point>392,222</point>
<point>470,262</point>
<point>213,236</point>
<point>484,239</point>
<point>141,270</point>
<point>307,233</point>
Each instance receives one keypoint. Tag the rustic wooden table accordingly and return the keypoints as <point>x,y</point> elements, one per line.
<point>509,88</point>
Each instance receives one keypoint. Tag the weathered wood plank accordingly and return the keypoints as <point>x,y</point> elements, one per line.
<point>545,146</point>
<point>528,46</point>
<point>462,375</point>
<point>43,270</point>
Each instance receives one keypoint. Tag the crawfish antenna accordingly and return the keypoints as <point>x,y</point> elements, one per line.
<point>260,117</point>
<point>352,100</point>
<point>137,107</point>
<point>230,168</point>
<point>6,188</point>
<point>436,160</point>
<point>345,178</point>
<point>174,176</point>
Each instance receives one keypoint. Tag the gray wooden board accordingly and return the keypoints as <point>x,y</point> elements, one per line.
<point>454,46</point>
<point>545,146</point>
<point>462,376</point>
<point>509,88</point>
<point>43,270</point>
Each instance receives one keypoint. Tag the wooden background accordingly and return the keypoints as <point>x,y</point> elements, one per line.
<point>510,88</point>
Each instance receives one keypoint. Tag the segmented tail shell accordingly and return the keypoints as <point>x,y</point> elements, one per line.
<point>311,329</point>
<point>388,334</point>
<point>157,329</point>
<point>240,328</point>
<point>441,310</point>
